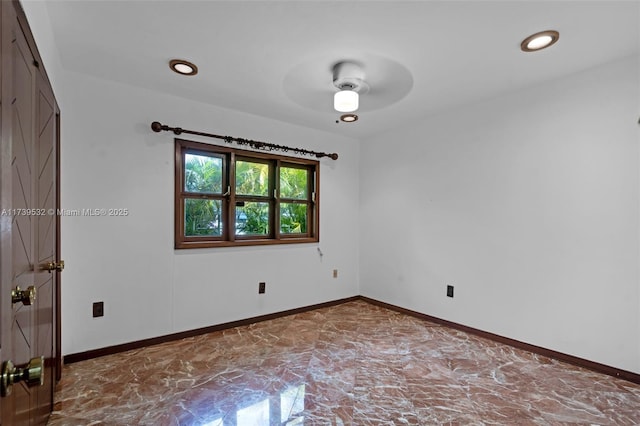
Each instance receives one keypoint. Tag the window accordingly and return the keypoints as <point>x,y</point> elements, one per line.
<point>229,197</point>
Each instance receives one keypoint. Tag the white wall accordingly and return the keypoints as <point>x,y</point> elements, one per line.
<point>40,25</point>
<point>111,159</point>
<point>527,204</point>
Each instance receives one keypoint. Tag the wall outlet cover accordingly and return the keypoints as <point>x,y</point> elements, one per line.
<point>449,291</point>
<point>98,309</point>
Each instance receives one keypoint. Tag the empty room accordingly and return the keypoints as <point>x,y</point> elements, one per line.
<point>255,213</point>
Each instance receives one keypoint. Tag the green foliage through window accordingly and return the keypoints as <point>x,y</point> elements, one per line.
<point>252,219</point>
<point>294,183</point>
<point>202,173</point>
<point>202,217</point>
<point>293,218</point>
<point>252,178</point>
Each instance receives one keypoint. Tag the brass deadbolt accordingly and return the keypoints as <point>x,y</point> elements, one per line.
<point>54,266</point>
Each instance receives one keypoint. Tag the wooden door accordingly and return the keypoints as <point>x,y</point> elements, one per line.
<point>29,231</point>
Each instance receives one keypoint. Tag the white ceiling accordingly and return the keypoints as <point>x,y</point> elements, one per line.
<point>274,58</point>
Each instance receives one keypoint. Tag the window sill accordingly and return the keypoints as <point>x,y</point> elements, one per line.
<point>243,243</point>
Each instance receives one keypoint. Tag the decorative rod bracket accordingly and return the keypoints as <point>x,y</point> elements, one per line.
<point>266,146</point>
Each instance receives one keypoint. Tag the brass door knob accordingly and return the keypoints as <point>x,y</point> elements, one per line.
<point>54,266</point>
<point>32,374</point>
<point>27,297</point>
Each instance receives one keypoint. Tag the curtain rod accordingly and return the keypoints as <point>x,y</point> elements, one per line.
<point>158,127</point>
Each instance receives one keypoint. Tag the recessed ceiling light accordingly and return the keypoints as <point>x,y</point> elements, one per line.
<point>183,67</point>
<point>539,41</point>
<point>349,118</point>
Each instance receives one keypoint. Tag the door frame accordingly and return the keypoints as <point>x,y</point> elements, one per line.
<point>58,293</point>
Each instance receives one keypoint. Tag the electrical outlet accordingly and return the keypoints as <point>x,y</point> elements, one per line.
<point>262,287</point>
<point>335,273</point>
<point>449,291</point>
<point>98,309</point>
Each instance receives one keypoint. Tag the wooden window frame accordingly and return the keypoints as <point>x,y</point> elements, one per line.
<point>228,238</point>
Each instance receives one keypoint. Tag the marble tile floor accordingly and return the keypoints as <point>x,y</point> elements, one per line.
<point>350,364</point>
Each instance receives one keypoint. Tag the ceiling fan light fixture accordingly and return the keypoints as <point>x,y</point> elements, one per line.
<point>539,41</point>
<point>346,101</point>
<point>183,67</point>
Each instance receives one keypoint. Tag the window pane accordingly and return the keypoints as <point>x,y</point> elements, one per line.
<point>202,174</point>
<point>202,217</point>
<point>252,218</point>
<point>294,183</point>
<point>252,178</point>
<point>293,218</point>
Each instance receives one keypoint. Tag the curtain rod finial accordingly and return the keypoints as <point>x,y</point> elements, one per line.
<point>156,126</point>
<point>333,156</point>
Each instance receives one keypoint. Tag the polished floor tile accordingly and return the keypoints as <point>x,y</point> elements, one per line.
<point>351,364</point>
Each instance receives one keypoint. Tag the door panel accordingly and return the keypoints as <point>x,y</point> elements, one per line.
<point>46,171</point>
<point>22,228</point>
